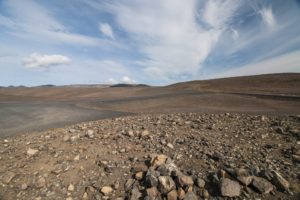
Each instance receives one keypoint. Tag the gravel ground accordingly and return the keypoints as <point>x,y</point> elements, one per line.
<point>169,156</point>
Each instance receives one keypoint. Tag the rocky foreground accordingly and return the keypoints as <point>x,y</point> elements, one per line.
<point>176,156</point>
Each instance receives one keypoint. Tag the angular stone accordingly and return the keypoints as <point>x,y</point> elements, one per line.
<point>243,176</point>
<point>129,184</point>
<point>90,134</point>
<point>185,181</point>
<point>280,182</point>
<point>24,186</point>
<point>181,193</point>
<point>145,133</point>
<point>40,182</point>
<point>66,138</point>
<point>71,187</point>
<point>230,188</point>
<point>151,181</point>
<point>158,160</point>
<point>152,193</point>
<point>7,177</point>
<point>262,185</point>
<point>200,183</point>
<point>135,194</point>
<point>139,176</point>
<point>190,196</point>
<point>166,184</point>
<point>32,152</point>
<point>172,195</point>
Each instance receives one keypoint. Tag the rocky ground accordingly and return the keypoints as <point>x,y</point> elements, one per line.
<point>175,156</point>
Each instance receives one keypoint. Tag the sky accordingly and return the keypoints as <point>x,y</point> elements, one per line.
<point>154,42</point>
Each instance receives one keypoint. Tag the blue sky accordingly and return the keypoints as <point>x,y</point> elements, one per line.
<point>145,41</point>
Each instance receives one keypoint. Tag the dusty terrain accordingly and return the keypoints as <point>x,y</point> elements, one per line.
<point>230,155</point>
<point>29,109</point>
<point>235,138</point>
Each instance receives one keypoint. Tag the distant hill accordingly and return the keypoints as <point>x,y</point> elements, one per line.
<point>129,85</point>
<point>285,83</point>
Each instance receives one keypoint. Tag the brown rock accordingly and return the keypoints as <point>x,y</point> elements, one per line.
<point>106,190</point>
<point>185,181</point>
<point>40,182</point>
<point>181,193</point>
<point>152,193</point>
<point>7,177</point>
<point>139,176</point>
<point>32,152</point>
<point>172,195</point>
<point>158,160</point>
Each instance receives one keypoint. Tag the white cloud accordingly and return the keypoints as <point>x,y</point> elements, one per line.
<point>218,13</point>
<point>168,34</point>
<point>106,30</point>
<point>128,80</point>
<point>112,81</point>
<point>36,60</point>
<point>268,16</point>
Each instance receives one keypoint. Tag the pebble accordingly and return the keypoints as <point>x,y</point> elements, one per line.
<point>106,190</point>
<point>32,152</point>
<point>40,182</point>
<point>7,177</point>
<point>71,188</point>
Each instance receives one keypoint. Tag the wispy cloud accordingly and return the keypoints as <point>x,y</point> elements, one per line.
<point>285,63</point>
<point>219,13</point>
<point>106,30</point>
<point>171,39</point>
<point>36,60</point>
<point>268,16</point>
<point>28,20</point>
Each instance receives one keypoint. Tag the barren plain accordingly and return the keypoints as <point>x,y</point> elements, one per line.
<point>234,138</point>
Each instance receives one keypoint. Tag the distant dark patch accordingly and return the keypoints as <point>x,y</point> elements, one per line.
<point>129,85</point>
<point>45,86</point>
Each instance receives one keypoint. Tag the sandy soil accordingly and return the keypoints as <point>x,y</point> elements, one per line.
<point>28,109</point>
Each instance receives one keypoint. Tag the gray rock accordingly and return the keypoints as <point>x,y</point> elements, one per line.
<point>280,182</point>
<point>129,184</point>
<point>190,196</point>
<point>243,176</point>
<point>151,181</point>
<point>200,183</point>
<point>262,185</point>
<point>230,188</point>
<point>135,194</point>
